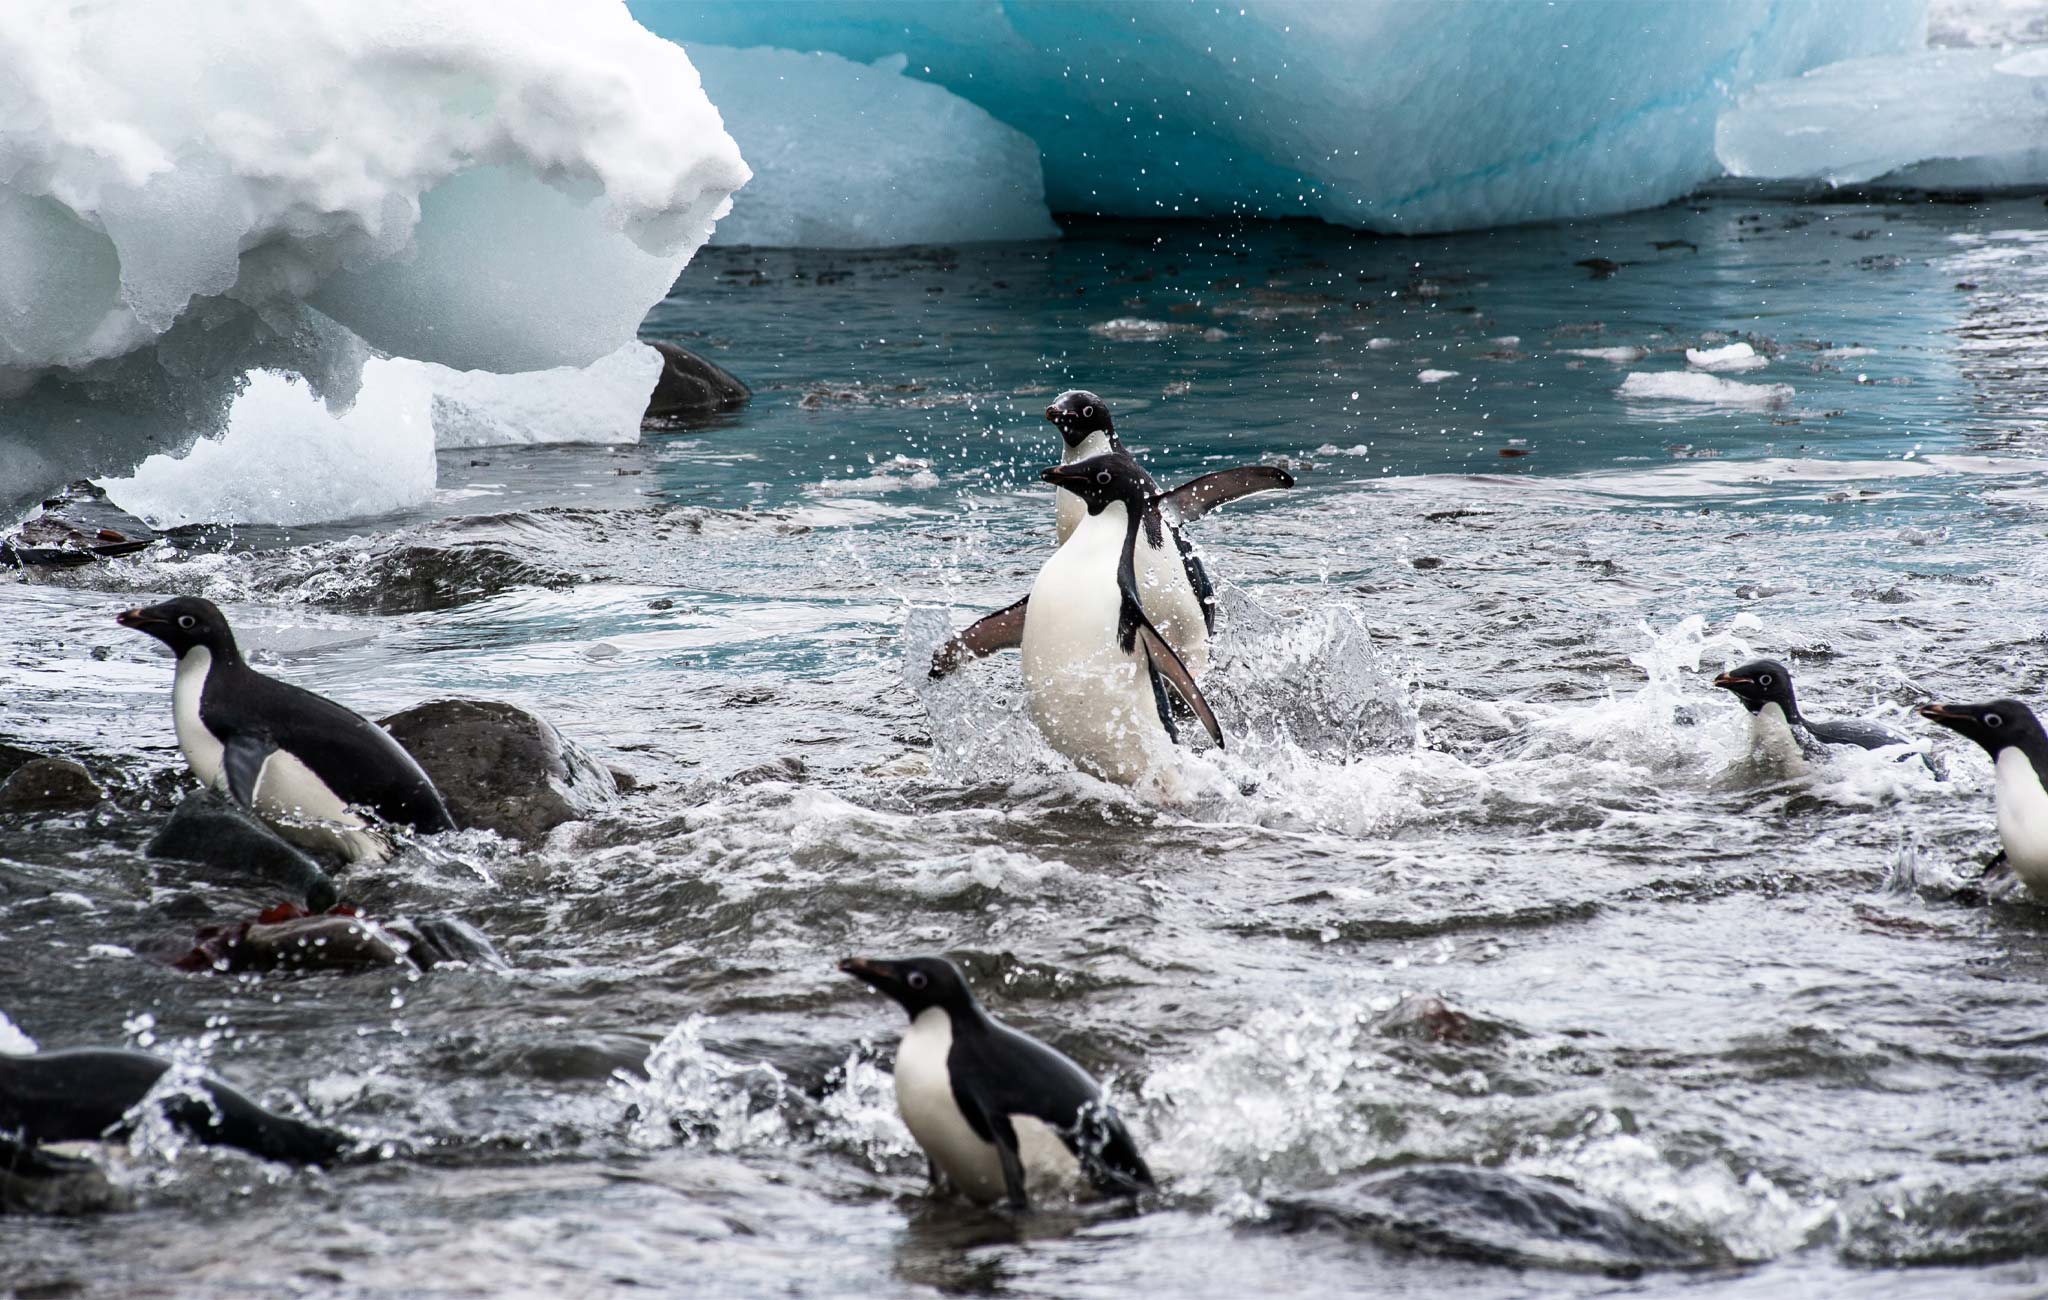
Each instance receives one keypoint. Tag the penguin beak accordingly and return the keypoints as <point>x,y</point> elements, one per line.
<point>141,619</point>
<point>1052,413</point>
<point>1062,476</point>
<point>1729,681</point>
<point>876,974</point>
<point>1947,715</point>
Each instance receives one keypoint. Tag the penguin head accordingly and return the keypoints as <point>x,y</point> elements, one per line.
<point>1760,682</point>
<point>184,623</point>
<point>917,983</point>
<point>1099,480</point>
<point>1078,413</point>
<point>1998,725</point>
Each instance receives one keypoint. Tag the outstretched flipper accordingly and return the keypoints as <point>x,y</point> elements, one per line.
<point>1138,630</point>
<point>1103,1146</point>
<point>1197,497</point>
<point>1002,630</point>
<point>242,760</point>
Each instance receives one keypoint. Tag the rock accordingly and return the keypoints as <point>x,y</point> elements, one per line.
<point>217,832</point>
<point>501,769</point>
<point>49,785</point>
<point>786,768</point>
<point>624,781</point>
<point>13,756</point>
<point>37,1182</point>
<point>690,388</point>
<point>417,579</point>
<point>76,527</point>
<point>292,939</point>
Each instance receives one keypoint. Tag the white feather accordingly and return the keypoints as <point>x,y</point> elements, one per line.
<point>924,1094</point>
<point>2023,819</point>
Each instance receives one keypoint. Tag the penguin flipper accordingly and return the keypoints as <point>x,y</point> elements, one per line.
<point>1197,497</point>
<point>1002,630</point>
<point>1168,665</point>
<point>1104,1147</point>
<point>242,760</point>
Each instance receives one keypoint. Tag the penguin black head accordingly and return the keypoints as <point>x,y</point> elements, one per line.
<point>1078,413</point>
<point>917,983</point>
<point>1760,682</point>
<point>1998,725</point>
<point>184,623</point>
<point>1099,480</point>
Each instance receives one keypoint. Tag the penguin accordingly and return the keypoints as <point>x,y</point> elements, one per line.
<point>300,760</point>
<point>1779,732</point>
<point>89,1094</point>
<point>1096,669</point>
<point>1176,585</point>
<point>996,1111</point>
<point>2012,735</point>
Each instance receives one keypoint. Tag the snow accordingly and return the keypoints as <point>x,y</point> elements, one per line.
<point>1734,357</point>
<point>1384,114</point>
<point>1710,390</point>
<point>600,403</point>
<point>191,196</point>
<point>858,155</point>
<point>1939,119</point>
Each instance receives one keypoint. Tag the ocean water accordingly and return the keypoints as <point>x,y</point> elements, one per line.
<point>1483,962</point>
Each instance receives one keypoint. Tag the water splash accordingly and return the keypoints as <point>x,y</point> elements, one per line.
<point>694,1096</point>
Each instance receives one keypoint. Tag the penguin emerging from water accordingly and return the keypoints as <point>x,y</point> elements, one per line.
<point>2012,735</point>
<point>996,1111</point>
<point>1097,670</point>
<point>1780,732</point>
<point>1175,585</point>
<point>300,760</point>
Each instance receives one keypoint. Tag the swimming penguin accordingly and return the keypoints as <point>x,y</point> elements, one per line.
<point>300,760</point>
<point>1780,732</point>
<point>1175,584</point>
<point>1096,668</point>
<point>2012,735</point>
<point>996,1111</point>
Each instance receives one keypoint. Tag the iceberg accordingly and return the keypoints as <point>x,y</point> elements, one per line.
<point>1938,120</point>
<point>1389,115</point>
<point>858,155</point>
<point>199,204</point>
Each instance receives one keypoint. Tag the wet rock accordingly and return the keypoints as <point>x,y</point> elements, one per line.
<point>1426,1018</point>
<point>1490,1216</point>
<point>501,769</point>
<point>690,388</point>
<point>421,579</point>
<point>76,527</point>
<point>216,832</point>
<point>37,1182</point>
<point>13,756</point>
<point>786,768</point>
<point>49,785</point>
<point>293,939</point>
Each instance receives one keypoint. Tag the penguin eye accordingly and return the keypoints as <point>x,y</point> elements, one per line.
<point>1102,476</point>
<point>916,979</point>
<point>1993,720</point>
<point>1764,679</point>
<point>1087,410</point>
<point>187,622</point>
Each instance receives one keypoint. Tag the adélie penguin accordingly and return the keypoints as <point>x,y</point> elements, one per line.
<point>1780,732</point>
<point>997,1112</point>
<point>1097,671</point>
<point>2012,735</point>
<point>299,760</point>
<point>1170,573</point>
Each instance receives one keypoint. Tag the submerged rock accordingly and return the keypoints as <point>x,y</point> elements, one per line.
<point>292,939</point>
<point>691,387</point>
<point>217,832</point>
<point>419,579</point>
<point>49,785</point>
<point>77,526</point>
<point>502,769</point>
<point>37,1182</point>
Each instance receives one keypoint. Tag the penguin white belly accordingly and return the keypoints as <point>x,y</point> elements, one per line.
<point>203,750</point>
<point>1771,739</point>
<point>924,1094</point>
<point>1170,600</point>
<point>304,810</point>
<point>1092,699</point>
<point>2023,819</point>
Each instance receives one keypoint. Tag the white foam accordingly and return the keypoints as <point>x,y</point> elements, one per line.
<point>1703,389</point>
<point>13,1042</point>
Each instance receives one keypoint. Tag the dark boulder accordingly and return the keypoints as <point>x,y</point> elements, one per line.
<point>76,527</point>
<point>43,785</point>
<point>690,388</point>
<point>219,833</point>
<point>293,939</point>
<point>501,769</point>
<point>415,579</point>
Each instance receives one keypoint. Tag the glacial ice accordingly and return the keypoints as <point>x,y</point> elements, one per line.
<point>1939,119</point>
<point>858,155</point>
<point>1386,114</point>
<point>599,403</point>
<point>1702,389</point>
<point>194,196</point>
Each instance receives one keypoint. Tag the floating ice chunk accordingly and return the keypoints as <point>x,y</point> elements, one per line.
<point>1385,114</point>
<point>1691,386</point>
<point>1129,329</point>
<point>1619,356</point>
<point>857,155</point>
<point>1937,120</point>
<point>1435,376</point>
<point>13,1042</point>
<point>600,403</point>
<point>1734,357</point>
<point>287,459</point>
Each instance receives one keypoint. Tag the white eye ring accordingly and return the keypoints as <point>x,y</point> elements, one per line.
<point>1087,410</point>
<point>1993,720</point>
<point>916,979</point>
<point>1102,476</point>
<point>187,622</point>
<point>1764,679</point>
